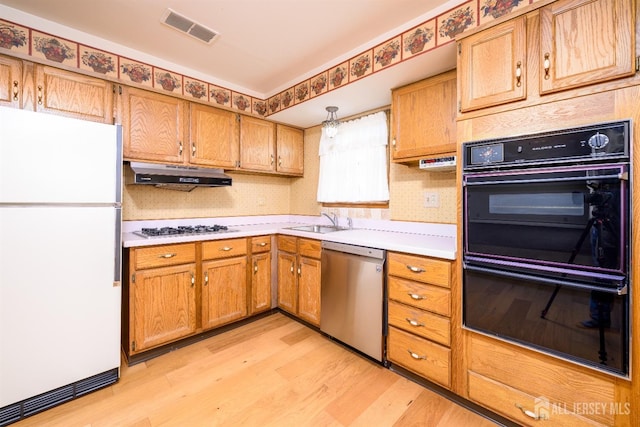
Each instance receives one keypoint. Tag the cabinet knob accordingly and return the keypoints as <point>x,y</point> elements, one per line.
<point>193,279</point>
<point>519,74</point>
<point>179,148</point>
<point>531,414</point>
<point>226,248</point>
<point>15,90</point>
<point>206,279</point>
<point>39,94</point>
<point>263,244</point>
<point>414,322</point>
<point>193,149</point>
<point>272,159</point>
<point>416,296</point>
<point>255,266</point>
<point>279,160</point>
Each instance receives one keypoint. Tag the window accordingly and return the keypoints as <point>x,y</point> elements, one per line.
<point>353,164</point>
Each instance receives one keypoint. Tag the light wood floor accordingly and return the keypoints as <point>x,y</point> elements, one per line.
<point>272,372</point>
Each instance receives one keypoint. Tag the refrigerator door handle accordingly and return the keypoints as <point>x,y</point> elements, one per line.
<point>117,273</point>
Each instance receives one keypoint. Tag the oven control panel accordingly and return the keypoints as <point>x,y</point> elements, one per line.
<point>602,142</point>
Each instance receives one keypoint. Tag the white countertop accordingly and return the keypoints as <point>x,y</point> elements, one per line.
<point>435,240</point>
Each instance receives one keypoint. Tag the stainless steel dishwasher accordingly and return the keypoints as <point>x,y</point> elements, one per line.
<point>352,296</point>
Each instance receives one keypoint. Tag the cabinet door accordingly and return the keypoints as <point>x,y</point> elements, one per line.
<point>257,144</point>
<point>424,117</point>
<point>290,150</point>
<point>260,282</point>
<point>224,291</point>
<point>584,42</point>
<point>287,283</point>
<point>10,82</point>
<point>214,137</point>
<point>309,290</point>
<point>73,95</point>
<point>491,66</point>
<point>153,126</point>
<point>163,306</point>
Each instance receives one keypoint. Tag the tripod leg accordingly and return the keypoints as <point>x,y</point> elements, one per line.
<point>553,296</point>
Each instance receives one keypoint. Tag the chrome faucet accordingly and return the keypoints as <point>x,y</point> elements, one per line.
<point>334,220</point>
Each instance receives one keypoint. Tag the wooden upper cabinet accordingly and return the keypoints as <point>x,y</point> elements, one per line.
<point>585,42</point>
<point>154,126</point>
<point>73,95</point>
<point>290,150</point>
<point>214,137</point>
<point>424,118</point>
<point>492,66</point>
<point>11,85</point>
<point>257,144</point>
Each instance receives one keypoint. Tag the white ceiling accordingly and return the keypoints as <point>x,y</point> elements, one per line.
<point>264,46</point>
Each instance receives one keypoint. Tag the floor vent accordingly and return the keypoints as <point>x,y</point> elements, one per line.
<point>188,26</point>
<point>17,411</point>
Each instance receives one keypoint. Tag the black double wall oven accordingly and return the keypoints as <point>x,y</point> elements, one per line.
<point>546,242</point>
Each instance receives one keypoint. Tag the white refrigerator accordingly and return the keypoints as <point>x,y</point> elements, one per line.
<point>60,256</point>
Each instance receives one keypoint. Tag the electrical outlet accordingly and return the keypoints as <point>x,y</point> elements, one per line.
<point>431,199</point>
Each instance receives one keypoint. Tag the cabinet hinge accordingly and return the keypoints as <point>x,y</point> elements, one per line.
<point>459,106</point>
<point>637,63</point>
<point>237,117</point>
<point>133,278</point>
<point>133,346</point>
<point>459,48</point>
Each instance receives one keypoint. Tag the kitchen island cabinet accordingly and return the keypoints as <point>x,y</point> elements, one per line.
<point>161,296</point>
<point>419,315</point>
<point>545,52</point>
<point>299,270</point>
<point>224,282</point>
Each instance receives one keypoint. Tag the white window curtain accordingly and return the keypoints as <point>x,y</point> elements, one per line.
<point>353,164</point>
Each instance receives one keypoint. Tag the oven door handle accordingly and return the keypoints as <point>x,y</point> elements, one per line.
<point>620,176</point>
<point>511,274</point>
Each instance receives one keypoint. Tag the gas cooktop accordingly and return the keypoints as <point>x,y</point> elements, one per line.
<point>183,230</point>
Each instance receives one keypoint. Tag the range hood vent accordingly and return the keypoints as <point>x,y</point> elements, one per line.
<point>182,178</point>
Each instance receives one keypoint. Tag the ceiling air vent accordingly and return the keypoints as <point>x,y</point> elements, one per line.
<point>188,26</point>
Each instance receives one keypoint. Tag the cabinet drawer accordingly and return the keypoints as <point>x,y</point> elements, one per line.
<point>420,295</point>
<point>540,376</point>
<point>260,244</point>
<point>420,322</point>
<point>310,248</point>
<point>224,248</point>
<point>512,403</point>
<point>427,359</point>
<point>423,269</point>
<point>160,256</point>
<point>287,244</point>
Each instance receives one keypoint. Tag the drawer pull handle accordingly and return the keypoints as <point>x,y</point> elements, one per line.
<point>415,269</point>
<point>416,297</point>
<point>262,244</point>
<point>193,280</point>
<point>166,256</point>
<point>15,90</point>
<point>193,149</point>
<point>180,147</point>
<point>206,279</point>
<point>272,159</point>
<point>519,74</point>
<point>39,95</point>
<point>226,249</point>
<point>255,267</point>
<point>416,356</point>
<point>531,414</point>
<point>292,267</point>
<point>414,322</point>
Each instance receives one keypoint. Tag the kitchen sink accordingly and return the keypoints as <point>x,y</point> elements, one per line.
<point>322,229</point>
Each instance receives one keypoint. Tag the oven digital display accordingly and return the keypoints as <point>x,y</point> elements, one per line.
<point>487,154</point>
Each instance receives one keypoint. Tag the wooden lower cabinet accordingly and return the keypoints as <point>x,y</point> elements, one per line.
<point>260,272</point>
<point>528,387</point>
<point>419,316</point>
<point>162,296</point>
<point>299,274</point>
<point>224,291</point>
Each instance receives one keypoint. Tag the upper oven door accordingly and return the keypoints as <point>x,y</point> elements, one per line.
<point>550,217</point>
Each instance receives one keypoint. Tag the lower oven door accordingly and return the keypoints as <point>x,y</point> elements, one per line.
<point>582,323</point>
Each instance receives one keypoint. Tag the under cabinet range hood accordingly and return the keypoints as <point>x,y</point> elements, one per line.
<point>182,178</point>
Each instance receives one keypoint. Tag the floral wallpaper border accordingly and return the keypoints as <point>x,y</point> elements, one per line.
<point>420,39</point>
